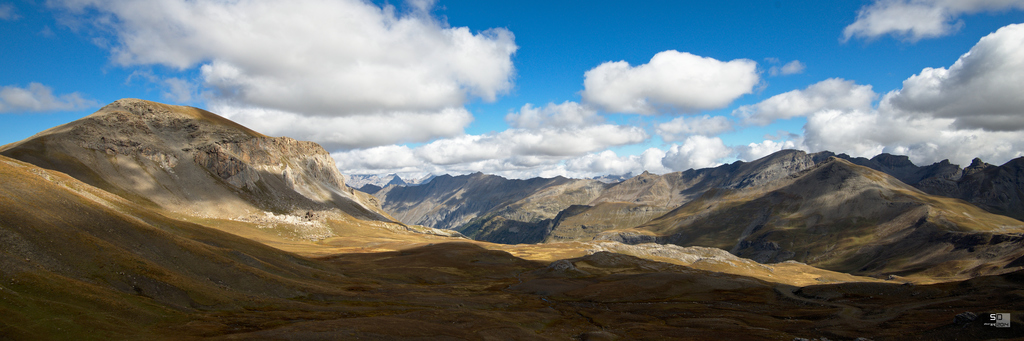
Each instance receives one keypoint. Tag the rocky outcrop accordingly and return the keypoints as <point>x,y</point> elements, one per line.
<point>900,167</point>
<point>997,189</point>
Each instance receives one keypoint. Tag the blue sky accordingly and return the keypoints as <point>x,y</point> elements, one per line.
<point>540,88</point>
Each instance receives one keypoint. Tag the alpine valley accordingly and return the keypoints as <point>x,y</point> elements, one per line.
<point>152,221</point>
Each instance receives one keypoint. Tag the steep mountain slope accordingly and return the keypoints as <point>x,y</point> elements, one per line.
<point>93,265</point>
<point>997,189</point>
<point>192,162</point>
<point>644,197</point>
<point>448,202</point>
<point>594,209</point>
<point>900,167</point>
<point>846,218</point>
<point>491,208</point>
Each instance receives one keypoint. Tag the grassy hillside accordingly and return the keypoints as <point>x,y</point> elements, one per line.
<point>78,261</point>
<point>847,218</point>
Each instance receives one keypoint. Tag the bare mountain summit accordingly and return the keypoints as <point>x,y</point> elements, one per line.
<point>193,162</point>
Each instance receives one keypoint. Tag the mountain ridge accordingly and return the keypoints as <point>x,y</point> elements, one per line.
<point>847,218</point>
<point>619,211</point>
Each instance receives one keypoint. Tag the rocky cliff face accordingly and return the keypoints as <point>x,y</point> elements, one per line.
<point>997,189</point>
<point>188,160</point>
<point>900,167</point>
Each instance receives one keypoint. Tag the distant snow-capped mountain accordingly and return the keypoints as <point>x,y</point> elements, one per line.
<point>381,180</point>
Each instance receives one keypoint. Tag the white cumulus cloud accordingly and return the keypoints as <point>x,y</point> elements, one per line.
<point>680,127</point>
<point>914,20</point>
<point>567,114</point>
<point>347,70</point>
<point>696,152</point>
<point>179,90</point>
<point>608,162</point>
<point>972,109</point>
<point>983,89</point>
<point>833,93</point>
<point>346,132</point>
<point>534,148</point>
<point>754,151</point>
<point>322,57</point>
<point>571,142</point>
<point>924,139</point>
<point>671,81</point>
<point>38,98</point>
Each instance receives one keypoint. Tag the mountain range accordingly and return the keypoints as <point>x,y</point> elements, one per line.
<point>372,183</point>
<point>878,216</point>
<point>146,220</point>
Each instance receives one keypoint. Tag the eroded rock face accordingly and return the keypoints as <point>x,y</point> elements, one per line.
<point>997,189</point>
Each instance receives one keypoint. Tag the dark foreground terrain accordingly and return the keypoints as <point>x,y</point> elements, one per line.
<point>462,291</point>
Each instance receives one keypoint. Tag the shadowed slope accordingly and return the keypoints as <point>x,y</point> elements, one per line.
<point>448,202</point>
<point>998,189</point>
<point>519,211</point>
<point>847,218</point>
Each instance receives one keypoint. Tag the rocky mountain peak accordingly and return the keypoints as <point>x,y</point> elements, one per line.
<point>977,166</point>
<point>893,161</point>
<point>185,158</point>
<point>396,180</point>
